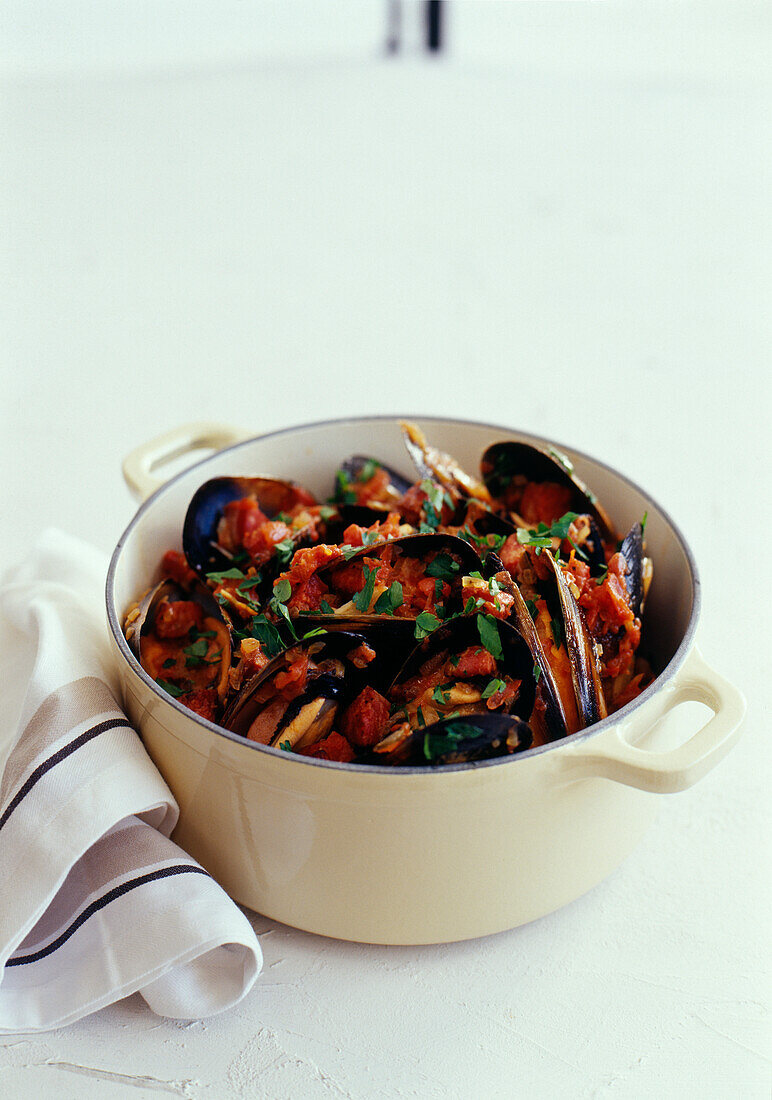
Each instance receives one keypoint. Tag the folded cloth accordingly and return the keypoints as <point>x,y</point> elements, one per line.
<point>95,901</point>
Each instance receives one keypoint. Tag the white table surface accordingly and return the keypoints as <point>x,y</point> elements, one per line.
<point>585,255</point>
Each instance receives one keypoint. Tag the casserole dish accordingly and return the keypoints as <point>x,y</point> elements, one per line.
<point>409,856</point>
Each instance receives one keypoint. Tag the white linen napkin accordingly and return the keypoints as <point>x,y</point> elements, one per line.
<point>95,901</point>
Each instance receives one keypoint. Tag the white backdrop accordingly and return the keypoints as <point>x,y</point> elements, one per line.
<point>563,225</point>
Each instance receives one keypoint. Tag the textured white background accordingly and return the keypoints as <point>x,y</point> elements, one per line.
<point>563,226</point>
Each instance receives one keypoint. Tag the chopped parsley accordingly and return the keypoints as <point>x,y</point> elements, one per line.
<point>267,634</point>
<point>490,542</point>
<point>489,635</point>
<point>533,610</point>
<point>420,716</point>
<point>425,624</point>
<point>249,583</point>
<point>343,493</point>
<point>493,688</point>
<point>443,567</point>
<point>579,550</point>
<point>363,599</point>
<point>226,575</point>
<point>557,632</point>
<point>325,608</point>
<point>172,689</point>
<point>284,550</point>
<point>369,470</point>
<point>536,672</point>
<point>282,590</point>
<point>313,633</point>
<point>542,535</point>
<point>441,694</point>
<point>169,663</point>
<point>368,538</point>
<point>390,600</point>
<point>286,745</point>
<point>643,521</point>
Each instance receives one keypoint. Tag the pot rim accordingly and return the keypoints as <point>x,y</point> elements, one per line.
<point>657,684</point>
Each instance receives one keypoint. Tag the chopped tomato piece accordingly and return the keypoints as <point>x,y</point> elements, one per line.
<point>174,565</point>
<point>474,661</point>
<point>239,518</point>
<point>544,502</point>
<point>292,680</point>
<point>260,541</point>
<point>203,702</point>
<point>308,595</point>
<point>362,655</point>
<point>175,620</point>
<point>333,747</point>
<point>364,721</point>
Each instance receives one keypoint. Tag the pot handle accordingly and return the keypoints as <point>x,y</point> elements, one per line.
<point>612,756</point>
<point>138,466</point>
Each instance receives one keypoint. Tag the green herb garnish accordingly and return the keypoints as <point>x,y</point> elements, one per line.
<point>493,688</point>
<point>425,624</point>
<point>489,635</point>
<point>390,600</point>
<point>363,599</point>
<point>172,689</point>
<point>441,694</point>
<point>226,575</point>
<point>443,567</point>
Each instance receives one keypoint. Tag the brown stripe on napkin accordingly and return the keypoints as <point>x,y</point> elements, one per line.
<point>60,712</point>
<point>136,848</point>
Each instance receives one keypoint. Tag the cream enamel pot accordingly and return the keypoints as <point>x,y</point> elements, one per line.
<point>409,856</point>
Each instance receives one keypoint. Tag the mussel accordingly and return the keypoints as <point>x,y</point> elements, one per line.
<point>440,467</point>
<point>549,720</point>
<point>294,701</point>
<point>566,642</point>
<point>508,468</point>
<point>453,741</point>
<point>183,642</point>
<point>200,539</point>
<point>475,671</point>
<point>637,570</point>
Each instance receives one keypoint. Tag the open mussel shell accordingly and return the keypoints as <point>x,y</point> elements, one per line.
<point>453,741</point>
<point>585,668</point>
<point>461,633</point>
<point>199,532</point>
<point>142,627</point>
<point>550,722</point>
<point>636,567</point>
<point>502,462</point>
<point>310,715</point>
<point>440,467</point>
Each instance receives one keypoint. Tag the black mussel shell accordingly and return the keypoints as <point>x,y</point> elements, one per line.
<point>243,710</point>
<point>555,722</point>
<point>454,741</point>
<point>199,532</point>
<point>585,669</point>
<point>592,548</point>
<point>460,633</point>
<point>632,552</point>
<point>171,592</point>
<point>503,461</point>
<point>389,637</point>
<point>437,466</point>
